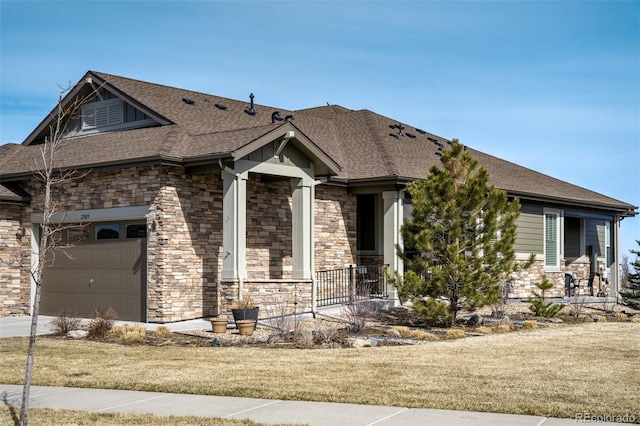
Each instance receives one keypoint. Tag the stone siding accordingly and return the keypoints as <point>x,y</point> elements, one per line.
<point>184,247</point>
<point>269,228</point>
<point>335,227</point>
<point>274,297</point>
<point>14,296</point>
<point>524,282</point>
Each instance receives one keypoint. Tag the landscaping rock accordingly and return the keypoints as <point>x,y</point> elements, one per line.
<point>77,334</point>
<point>475,319</point>
<point>359,342</point>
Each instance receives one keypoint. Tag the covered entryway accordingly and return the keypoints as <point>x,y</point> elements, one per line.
<point>98,274</point>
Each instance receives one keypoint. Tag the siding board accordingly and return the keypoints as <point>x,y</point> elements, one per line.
<point>530,236</point>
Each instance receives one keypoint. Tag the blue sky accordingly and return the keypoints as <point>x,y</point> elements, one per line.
<point>550,85</point>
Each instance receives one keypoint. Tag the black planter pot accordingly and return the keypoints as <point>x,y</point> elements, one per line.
<point>246,314</point>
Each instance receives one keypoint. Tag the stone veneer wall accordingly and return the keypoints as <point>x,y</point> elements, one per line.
<point>274,297</point>
<point>184,247</point>
<point>335,227</point>
<point>269,228</point>
<point>14,297</point>
<point>524,283</point>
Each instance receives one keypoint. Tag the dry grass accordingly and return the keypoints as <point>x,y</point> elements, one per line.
<point>414,333</point>
<point>130,333</point>
<point>556,371</point>
<point>161,331</point>
<point>51,417</point>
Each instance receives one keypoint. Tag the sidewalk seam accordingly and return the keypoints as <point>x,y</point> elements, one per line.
<point>132,403</point>
<point>251,409</point>
<point>388,417</point>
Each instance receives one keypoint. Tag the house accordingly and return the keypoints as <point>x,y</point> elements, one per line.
<point>188,201</point>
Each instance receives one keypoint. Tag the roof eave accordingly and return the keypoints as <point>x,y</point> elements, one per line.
<point>621,210</point>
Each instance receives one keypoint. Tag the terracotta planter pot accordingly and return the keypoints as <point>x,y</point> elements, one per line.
<point>219,325</point>
<point>246,327</point>
<point>246,314</point>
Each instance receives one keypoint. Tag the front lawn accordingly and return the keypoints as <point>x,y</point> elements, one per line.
<point>557,371</point>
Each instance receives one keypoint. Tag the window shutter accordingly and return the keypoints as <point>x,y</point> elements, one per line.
<point>551,239</point>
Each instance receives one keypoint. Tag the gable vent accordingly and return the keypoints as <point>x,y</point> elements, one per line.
<point>101,114</point>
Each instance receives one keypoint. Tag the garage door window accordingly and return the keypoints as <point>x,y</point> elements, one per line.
<point>107,232</point>
<point>137,230</point>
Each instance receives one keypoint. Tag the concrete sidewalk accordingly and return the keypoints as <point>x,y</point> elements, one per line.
<point>260,410</point>
<point>21,326</point>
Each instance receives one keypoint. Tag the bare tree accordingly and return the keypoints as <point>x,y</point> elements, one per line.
<point>49,172</point>
<point>626,270</point>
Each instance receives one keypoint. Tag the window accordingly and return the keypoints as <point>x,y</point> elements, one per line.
<point>607,242</point>
<point>137,230</point>
<point>366,222</point>
<point>551,239</point>
<point>96,115</point>
<point>107,232</point>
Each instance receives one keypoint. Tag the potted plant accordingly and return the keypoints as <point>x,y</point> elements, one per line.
<point>219,324</point>
<point>246,327</point>
<point>245,309</point>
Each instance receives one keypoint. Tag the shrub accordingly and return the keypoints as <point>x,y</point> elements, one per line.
<point>484,330</point>
<point>329,336</point>
<point>456,333</point>
<point>357,314</point>
<point>539,305</point>
<point>162,331</point>
<point>620,316</point>
<point>434,312</point>
<point>129,333</point>
<point>284,319</point>
<point>102,323</point>
<point>530,324</point>
<point>414,333</point>
<point>503,328</point>
<point>65,321</point>
<point>134,333</point>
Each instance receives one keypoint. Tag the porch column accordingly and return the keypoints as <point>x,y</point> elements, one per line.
<point>234,225</point>
<point>393,216</point>
<point>302,232</point>
<point>614,268</point>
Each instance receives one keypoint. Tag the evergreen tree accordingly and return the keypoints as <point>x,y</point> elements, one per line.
<point>539,304</point>
<point>458,244</point>
<point>631,292</point>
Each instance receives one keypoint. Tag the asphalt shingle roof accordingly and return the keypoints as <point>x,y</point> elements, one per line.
<point>367,146</point>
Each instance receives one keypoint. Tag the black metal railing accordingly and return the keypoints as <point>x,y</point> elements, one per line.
<point>347,285</point>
